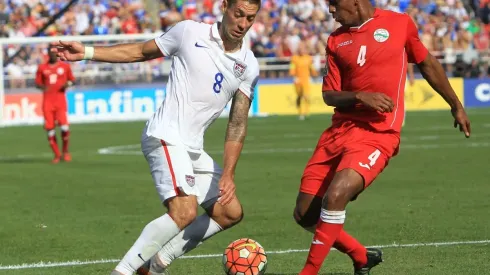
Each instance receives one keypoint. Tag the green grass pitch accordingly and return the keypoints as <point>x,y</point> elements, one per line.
<point>435,191</point>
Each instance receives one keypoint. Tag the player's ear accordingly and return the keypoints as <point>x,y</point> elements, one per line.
<point>224,6</point>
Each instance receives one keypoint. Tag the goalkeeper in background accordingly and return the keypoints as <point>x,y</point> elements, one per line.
<point>301,69</point>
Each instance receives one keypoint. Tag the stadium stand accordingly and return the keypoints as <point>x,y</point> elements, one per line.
<point>456,31</point>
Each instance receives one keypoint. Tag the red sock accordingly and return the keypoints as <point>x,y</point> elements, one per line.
<point>349,245</point>
<point>65,135</point>
<point>327,231</point>
<point>54,146</point>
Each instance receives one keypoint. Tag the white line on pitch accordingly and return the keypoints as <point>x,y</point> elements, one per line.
<point>128,149</point>
<point>105,261</point>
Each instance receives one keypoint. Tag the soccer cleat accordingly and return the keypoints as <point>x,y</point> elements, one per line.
<point>56,160</point>
<point>146,269</point>
<point>66,157</point>
<point>373,259</point>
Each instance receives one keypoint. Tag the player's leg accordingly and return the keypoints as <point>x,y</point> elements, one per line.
<point>216,219</point>
<point>61,117</point>
<point>299,97</point>
<point>361,163</point>
<point>344,186</point>
<point>170,167</point>
<point>316,178</point>
<point>306,99</point>
<point>307,213</point>
<point>49,126</point>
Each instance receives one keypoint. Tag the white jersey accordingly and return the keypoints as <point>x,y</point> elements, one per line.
<point>203,79</point>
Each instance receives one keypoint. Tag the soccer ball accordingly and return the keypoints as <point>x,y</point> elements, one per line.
<point>244,257</point>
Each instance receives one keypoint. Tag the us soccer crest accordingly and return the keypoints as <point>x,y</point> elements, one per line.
<point>191,180</point>
<point>239,68</point>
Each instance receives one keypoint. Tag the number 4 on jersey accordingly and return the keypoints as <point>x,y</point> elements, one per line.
<point>372,159</point>
<point>361,58</point>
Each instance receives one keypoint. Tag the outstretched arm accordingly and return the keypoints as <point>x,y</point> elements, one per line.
<point>167,44</point>
<point>235,137</point>
<point>118,53</point>
<point>435,75</point>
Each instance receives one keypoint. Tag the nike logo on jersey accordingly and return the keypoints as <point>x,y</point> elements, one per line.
<point>199,46</point>
<point>139,255</point>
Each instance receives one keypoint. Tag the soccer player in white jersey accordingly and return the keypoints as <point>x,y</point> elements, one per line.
<point>210,67</point>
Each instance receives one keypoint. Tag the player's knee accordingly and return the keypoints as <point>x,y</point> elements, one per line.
<point>51,133</point>
<point>337,197</point>
<point>302,219</point>
<point>65,128</point>
<point>183,217</point>
<point>183,211</point>
<point>234,215</point>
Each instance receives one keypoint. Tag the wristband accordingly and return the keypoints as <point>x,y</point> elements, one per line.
<point>89,53</point>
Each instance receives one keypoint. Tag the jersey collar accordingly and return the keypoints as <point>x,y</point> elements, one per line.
<point>216,36</point>
<point>358,28</point>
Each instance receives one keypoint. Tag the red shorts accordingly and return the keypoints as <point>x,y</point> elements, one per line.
<point>348,146</point>
<point>54,114</point>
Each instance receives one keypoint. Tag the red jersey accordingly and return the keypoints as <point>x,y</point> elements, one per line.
<point>54,77</point>
<point>373,58</point>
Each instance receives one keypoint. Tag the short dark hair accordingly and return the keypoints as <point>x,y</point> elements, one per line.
<point>233,2</point>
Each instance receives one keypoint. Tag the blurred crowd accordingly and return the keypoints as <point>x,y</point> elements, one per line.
<point>457,31</point>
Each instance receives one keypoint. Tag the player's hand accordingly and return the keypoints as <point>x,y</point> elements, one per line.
<point>68,50</point>
<point>461,119</point>
<point>377,101</point>
<point>411,81</point>
<point>226,190</point>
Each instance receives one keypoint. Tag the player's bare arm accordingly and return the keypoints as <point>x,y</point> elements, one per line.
<point>235,136</point>
<point>434,73</point>
<point>118,53</point>
<point>342,99</point>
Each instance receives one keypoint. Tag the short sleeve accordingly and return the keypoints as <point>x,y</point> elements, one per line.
<point>331,79</point>
<point>247,86</point>
<point>170,42</point>
<point>416,50</point>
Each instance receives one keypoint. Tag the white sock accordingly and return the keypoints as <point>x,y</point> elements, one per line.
<point>154,236</point>
<point>336,217</point>
<point>191,237</point>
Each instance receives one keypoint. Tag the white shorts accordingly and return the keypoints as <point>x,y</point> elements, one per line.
<point>175,171</point>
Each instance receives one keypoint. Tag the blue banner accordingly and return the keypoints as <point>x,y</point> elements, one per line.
<point>131,102</point>
<point>477,92</point>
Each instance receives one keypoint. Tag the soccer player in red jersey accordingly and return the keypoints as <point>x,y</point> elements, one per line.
<point>367,60</point>
<point>53,78</point>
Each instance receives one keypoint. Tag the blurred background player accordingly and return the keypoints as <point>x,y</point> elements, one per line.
<point>367,61</point>
<point>210,67</point>
<point>301,69</point>
<point>54,78</point>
